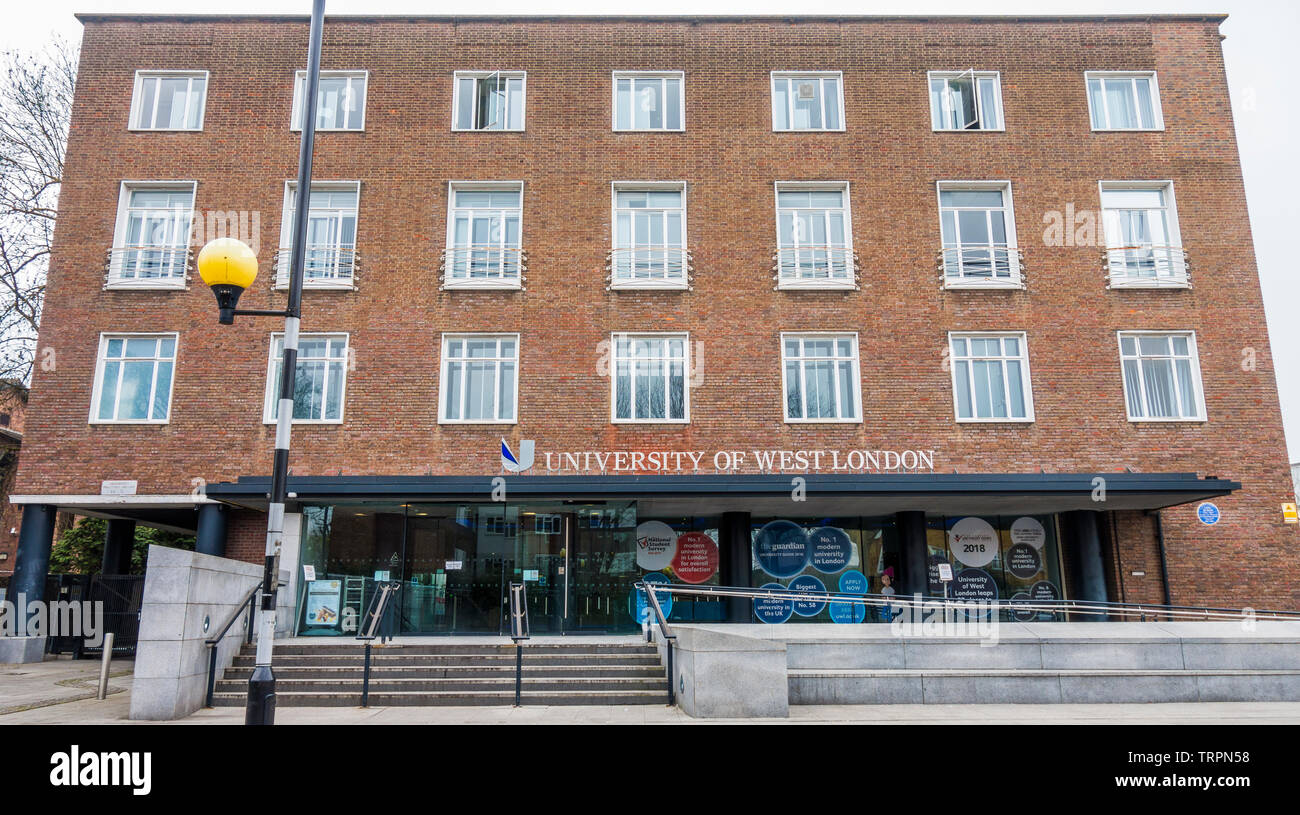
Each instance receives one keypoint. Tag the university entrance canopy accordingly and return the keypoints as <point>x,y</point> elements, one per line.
<point>764,494</point>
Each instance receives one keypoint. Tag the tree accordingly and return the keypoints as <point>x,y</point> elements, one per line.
<point>35,108</point>
<point>80,550</point>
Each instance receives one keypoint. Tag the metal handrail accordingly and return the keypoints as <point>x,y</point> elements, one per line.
<point>519,631</point>
<point>642,264</point>
<point>480,264</point>
<point>981,263</point>
<point>1124,264</point>
<point>374,617</point>
<point>803,264</point>
<point>670,639</point>
<point>919,600</point>
<point>148,265</point>
<point>247,604</point>
<point>321,264</point>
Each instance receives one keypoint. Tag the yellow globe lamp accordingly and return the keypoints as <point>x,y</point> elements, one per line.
<point>228,266</point>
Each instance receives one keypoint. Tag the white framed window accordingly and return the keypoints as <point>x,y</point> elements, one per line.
<point>820,377</point>
<point>329,257</point>
<point>649,238</point>
<point>169,100</point>
<point>649,378</point>
<point>1119,100</point>
<point>151,241</point>
<point>1162,376</point>
<point>990,377</point>
<point>340,100</point>
<point>489,100</point>
<point>649,100</point>
<point>480,379</point>
<point>1143,245</point>
<point>133,378</point>
<point>807,100</point>
<point>814,235</point>
<point>320,377</point>
<point>965,100</point>
<point>484,229</point>
<point>978,230</point>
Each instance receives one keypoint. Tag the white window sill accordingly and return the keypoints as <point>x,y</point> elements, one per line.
<point>1172,420</point>
<point>649,130</point>
<point>332,130</point>
<point>649,422</point>
<point>318,286</point>
<point>810,130</point>
<point>164,129</point>
<point>472,422</point>
<point>649,285</point>
<point>487,130</point>
<point>807,285</point>
<point>823,421</point>
<point>271,422</point>
<point>968,130</point>
<point>1009,420</point>
<point>128,421</point>
<point>1013,284</point>
<point>1128,129</point>
<point>151,285</point>
<point>479,285</point>
<point>1149,283</point>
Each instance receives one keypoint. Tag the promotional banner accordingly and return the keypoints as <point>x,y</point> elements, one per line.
<point>323,602</point>
<point>973,542</point>
<point>656,543</point>
<point>781,548</point>
<point>696,558</point>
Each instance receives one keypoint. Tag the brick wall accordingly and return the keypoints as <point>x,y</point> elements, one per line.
<point>729,158</point>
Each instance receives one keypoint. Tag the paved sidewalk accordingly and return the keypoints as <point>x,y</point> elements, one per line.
<point>62,691</point>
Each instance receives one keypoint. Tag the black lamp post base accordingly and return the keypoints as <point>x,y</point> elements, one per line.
<point>261,697</point>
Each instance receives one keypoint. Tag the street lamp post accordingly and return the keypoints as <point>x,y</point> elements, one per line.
<point>224,266</point>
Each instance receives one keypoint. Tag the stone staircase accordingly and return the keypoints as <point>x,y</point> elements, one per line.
<point>555,673</point>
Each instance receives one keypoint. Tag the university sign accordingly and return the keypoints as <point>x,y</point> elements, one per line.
<point>654,462</point>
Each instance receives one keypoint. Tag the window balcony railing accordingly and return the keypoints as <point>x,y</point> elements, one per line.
<point>815,267</point>
<point>147,267</point>
<point>483,267</point>
<point>649,268</point>
<point>1146,267</point>
<point>324,267</point>
<point>982,266</point>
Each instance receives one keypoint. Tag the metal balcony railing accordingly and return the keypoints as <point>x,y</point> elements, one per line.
<point>323,267</point>
<point>479,266</point>
<point>982,266</point>
<point>1145,267</point>
<point>649,267</point>
<point>147,267</point>
<point>816,267</point>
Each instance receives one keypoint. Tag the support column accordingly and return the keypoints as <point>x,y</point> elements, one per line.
<point>1087,559</point>
<point>734,561</point>
<point>912,553</point>
<point>119,539</point>
<point>32,565</point>
<point>212,530</point>
<point>27,585</point>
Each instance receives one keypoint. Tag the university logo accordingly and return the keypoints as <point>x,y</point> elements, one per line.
<point>520,464</point>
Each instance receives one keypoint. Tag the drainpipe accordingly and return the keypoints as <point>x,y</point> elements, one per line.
<point>1164,564</point>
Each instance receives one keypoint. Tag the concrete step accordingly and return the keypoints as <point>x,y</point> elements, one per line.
<point>1039,686</point>
<point>442,660</point>
<point>466,685</point>
<point>350,647</point>
<point>355,671</point>
<point>450,698</point>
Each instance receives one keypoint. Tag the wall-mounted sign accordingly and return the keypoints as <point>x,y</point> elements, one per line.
<point>323,602</point>
<point>118,487</point>
<point>530,574</point>
<point>694,461</point>
<point>696,559</point>
<point>1289,515</point>
<point>453,566</point>
<point>853,582</point>
<point>843,613</point>
<point>656,543</point>
<point>308,572</point>
<point>1023,561</point>
<point>945,572</point>
<point>781,548</point>
<point>973,541</point>
<point>381,575</point>
<point>773,609</point>
<point>935,565</point>
<point>1028,530</point>
<point>1207,514</point>
<point>808,608</point>
<point>830,549</point>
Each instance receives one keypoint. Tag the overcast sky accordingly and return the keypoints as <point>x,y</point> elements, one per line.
<point>1261,34</point>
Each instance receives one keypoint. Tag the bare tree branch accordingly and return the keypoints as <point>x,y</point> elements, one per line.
<point>35,106</point>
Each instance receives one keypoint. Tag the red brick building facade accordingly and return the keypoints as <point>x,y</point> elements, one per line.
<point>1035,139</point>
